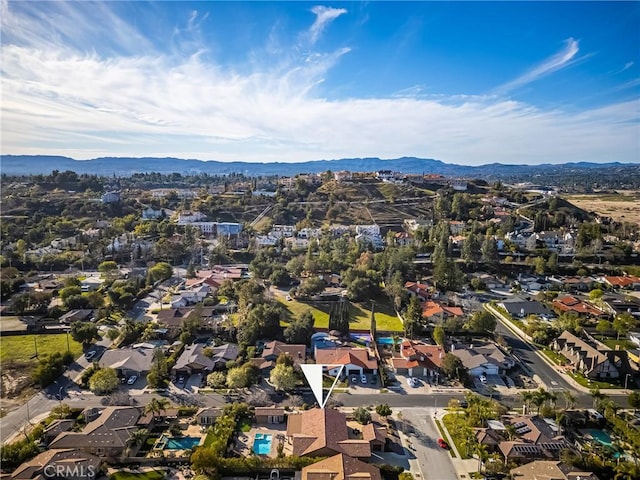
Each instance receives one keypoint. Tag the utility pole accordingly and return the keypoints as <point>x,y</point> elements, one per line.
<point>35,344</point>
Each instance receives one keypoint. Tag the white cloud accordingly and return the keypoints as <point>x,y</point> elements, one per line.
<point>554,63</point>
<point>60,100</point>
<point>324,16</point>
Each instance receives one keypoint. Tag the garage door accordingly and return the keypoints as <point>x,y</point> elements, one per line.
<point>353,372</point>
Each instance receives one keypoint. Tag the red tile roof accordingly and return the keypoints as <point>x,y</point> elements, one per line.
<point>346,356</point>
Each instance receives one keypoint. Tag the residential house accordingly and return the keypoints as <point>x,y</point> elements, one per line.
<point>342,176</point>
<point>550,470</point>
<point>487,358</point>
<point>491,282</point>
<point>435,312</point>
<point>617,303</point>
<point>538,438</point>
<point>108,435</point>
<point>420,290</point>
<point>456,227</point>
<point>110,197</point>
<point>269,415</point>
<point>587,359</point>
<point>79,315</point>
<point>208,415</point>
<point>193,360</point>
<point>573,284</point>
<point>128,361</point>
<point>74,464</point>
<point>297,243</point>
<point>418,359</point>
<point>56,427</point>
<point>322,432</point>
<point>569,303</point>
<point>150,213</point>
<point>224,353</point>
<point>187,217</point>
<point>356,361</point>
<point>623,282</point>
<point>341,467</point>
<point>282,231</point>
<point>414,224</point>
<point>172,318</point>
<point>272,350</point>
<point>331,279</point>
<point>309,233</point>
<point>519,307</point>
<point>403,239</point>
<point>91,284</point>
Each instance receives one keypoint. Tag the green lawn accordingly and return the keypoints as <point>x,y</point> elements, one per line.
<point>553,356</point>
<point>624,343</point>
<point>21,348</point>
<point>386,319</point>
<point>150,475</point>
<point>582,380</point>
<point>209,439</point>
<point>454,423</point>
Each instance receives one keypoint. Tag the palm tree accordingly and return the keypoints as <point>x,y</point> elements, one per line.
<point>157,405</point>
<point>569,399</point>
<point>597,396</point>
<point>540,397</point>
<point>483,454</point>
<point>510,431</point>
<point>527,398</point>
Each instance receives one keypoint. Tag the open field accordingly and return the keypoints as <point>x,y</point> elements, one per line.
<point>622,207</point>
<point>21,348</point>
<point>386,319</point>
<point>12,323</point>
<point>149,475</point>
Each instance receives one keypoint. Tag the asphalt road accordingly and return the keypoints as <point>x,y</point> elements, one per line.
<point>434,462</point>
<point>531,361</point>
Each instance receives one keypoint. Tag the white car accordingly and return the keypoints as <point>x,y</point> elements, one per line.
<point>132,380</point>
<point>354,379</point>
<point>483,378</point>
<point>413,382</point>
<point>363,379</point>
<point>89,355</point>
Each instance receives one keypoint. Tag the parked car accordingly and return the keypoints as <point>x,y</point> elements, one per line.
<point>374,379</point>
<point>443,444</point>
<point>354,379</point>
<point>363,379</point>
<point>413,382</point>
<point>132,379</point>
<point>90,354</point>
<point>483,378</point>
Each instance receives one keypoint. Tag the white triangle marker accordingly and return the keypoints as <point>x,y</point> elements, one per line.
<point>313,374</point>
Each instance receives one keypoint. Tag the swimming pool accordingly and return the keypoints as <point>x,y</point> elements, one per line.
<point>262,443</point>
<point>599,436</point>
<point>385,341</point>
<point>177,443</point>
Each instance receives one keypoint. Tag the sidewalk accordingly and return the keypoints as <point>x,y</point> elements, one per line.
<point>525,338</point>
<point>464,467</point>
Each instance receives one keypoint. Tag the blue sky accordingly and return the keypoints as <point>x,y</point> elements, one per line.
<point>468,82</point>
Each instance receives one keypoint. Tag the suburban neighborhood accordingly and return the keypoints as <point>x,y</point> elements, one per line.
<point>465,329</point>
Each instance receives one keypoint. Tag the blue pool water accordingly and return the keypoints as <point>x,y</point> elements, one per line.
<point>262,443</point>
<point>599,436</point>
<point>385,341</point>
<point>180,443</point>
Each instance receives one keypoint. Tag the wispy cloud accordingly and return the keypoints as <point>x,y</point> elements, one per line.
<point>557,61</point>
<point>324,16</point>
<point>58,98</point>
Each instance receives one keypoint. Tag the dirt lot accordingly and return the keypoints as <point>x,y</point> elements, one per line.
<point>622,207</point>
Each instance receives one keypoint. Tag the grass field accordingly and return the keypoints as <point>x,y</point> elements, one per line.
<point>150,475</point>
<point>21,348</point>
<point>622,207</point>
<point>386,318</point>
<point>455,424</point>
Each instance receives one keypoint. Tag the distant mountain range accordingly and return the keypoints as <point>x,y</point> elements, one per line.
<point>123,166</point>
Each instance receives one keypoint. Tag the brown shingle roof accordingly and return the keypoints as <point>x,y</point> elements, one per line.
<point>345,356</point>
<point>341,467</point>
<point>320,429</point>
<point>72,457</point>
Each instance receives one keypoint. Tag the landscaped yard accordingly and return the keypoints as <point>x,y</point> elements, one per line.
<point>22,348</point>
<point>148,475</point>
<point>554,356</point>
<point>455,424</point>
<point>386,319</point>
<point>582,380</point>
<point>624,343</point>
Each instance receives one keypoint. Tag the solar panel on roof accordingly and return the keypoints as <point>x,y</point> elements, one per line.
<point>520,424</point>
<point>522,430</point>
